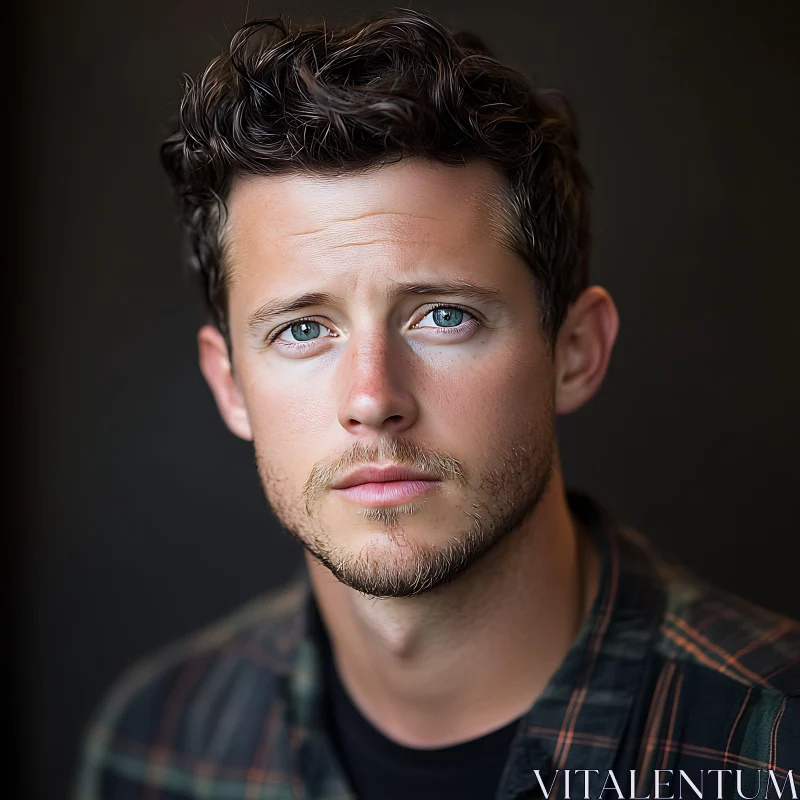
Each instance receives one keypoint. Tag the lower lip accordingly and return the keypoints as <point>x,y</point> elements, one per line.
<point>390,493</point>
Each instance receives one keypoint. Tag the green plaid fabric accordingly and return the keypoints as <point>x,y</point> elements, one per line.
<point>667,673</point>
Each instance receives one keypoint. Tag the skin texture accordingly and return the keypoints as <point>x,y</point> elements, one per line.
<point>483,582</point>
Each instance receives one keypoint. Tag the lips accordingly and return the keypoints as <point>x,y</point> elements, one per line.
<point>387,474</point>
<point>385,486</point>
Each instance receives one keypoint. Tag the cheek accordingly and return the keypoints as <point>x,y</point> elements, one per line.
<point>483,400</point>
<point>287,416</point>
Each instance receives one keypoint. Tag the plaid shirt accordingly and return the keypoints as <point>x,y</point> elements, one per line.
<point>667,673</point>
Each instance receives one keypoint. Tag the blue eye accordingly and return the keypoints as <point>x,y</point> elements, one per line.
<point>444,317</point>
<point>448,317</point>
<point>305,331</point>
<point>299,333</point>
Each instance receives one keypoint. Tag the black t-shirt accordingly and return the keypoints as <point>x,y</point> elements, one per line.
<point>380,769</point>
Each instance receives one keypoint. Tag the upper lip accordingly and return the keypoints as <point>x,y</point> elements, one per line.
<point>382,474</point>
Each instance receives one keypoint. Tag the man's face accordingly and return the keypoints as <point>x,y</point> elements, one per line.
<point>377,322</point>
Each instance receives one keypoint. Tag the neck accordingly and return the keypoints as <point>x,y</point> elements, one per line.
<point>471,656</point>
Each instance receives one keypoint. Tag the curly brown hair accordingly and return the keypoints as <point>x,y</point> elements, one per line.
<point>331,100</point>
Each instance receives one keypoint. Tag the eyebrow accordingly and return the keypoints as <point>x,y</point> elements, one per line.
<point>278,307</point>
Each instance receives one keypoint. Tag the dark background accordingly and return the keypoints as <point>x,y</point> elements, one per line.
<point>140,517</point>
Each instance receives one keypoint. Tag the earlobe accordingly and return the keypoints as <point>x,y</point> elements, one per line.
<point>215,364</point>
<point>583,348</point>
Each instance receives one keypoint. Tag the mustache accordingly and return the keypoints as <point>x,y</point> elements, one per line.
<point>401,452</point>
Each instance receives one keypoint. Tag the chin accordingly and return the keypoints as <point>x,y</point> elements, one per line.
<point>399,561</point>
<point>392,571</point>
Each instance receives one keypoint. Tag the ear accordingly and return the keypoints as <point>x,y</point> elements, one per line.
<point>583,348</point>
<point>215,364</point>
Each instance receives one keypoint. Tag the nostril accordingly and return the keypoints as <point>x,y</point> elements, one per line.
<point>394,418</point>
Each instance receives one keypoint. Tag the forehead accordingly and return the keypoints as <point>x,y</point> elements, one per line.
<point>412,203</point>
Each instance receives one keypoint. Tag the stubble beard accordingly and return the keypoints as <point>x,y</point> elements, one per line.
<point>502,498</point>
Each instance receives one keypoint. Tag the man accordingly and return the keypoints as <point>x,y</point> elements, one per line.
<point>391,230</point>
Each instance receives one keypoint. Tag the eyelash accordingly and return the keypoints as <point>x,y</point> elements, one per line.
<point>276,333</point>
<point>473,314</point>
<point>475,318</point>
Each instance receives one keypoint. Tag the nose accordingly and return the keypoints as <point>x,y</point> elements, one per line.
<point>376,397</point>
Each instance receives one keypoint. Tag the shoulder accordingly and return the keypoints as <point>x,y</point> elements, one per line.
<point>736,667</point>
<point>200,701</point>
<point>722,678</point>
<point>727,636</point>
